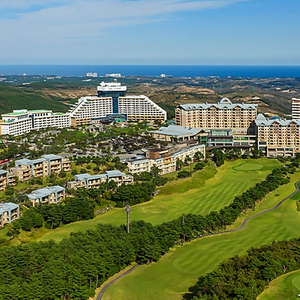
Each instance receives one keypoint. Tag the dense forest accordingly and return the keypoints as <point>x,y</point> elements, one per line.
<point>245,277</point>
<point>75,267</point>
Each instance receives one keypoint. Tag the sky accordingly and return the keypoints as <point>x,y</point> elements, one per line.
<point>150,32</point>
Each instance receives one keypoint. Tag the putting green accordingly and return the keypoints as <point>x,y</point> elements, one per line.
<point>249,167</point>
<point>285,287</point>
<point>206,191</point>
<point>171,276</point>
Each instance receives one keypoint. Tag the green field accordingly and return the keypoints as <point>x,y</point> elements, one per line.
<point>171,277</point>
<point>206,191</point>
<point>285,287</point>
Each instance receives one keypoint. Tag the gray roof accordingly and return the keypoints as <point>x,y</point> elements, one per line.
<point>108,174</point>
<point>7,207</point>
<point>44,192</point>
<point>51,156</point>
<point>3,172</point>
<point>185,150</point>
<point>26,161</point>
<point>86,176</point>
<point>261,120</point>
<point>225,103</point>
<point>114,173</point>
<point>174,130</point>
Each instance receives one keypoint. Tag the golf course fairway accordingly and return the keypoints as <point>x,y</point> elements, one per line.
<point>285,287</point>
<point>207,190</point>
<point>172,275</point>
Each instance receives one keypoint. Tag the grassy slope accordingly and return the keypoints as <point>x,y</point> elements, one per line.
<point>200,194</point>
<point>13,98</point>
<point>173,274</point>
<point>285,287</point>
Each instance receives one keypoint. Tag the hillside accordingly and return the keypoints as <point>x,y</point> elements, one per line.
<point>14,98</point>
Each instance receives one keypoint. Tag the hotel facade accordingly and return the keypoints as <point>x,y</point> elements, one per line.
<point>23,121</point>
<point>277,137</point>
<point>239,117</point>
<point>112,99</point>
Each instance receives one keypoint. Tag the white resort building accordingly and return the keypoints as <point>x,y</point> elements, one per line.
<point>112,99</point>
<point>23,121</point>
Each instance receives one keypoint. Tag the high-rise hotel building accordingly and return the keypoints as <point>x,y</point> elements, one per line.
<point>277,137</point>
<point>239,117</point>
<point>112,99</point>
<point>295,109</point>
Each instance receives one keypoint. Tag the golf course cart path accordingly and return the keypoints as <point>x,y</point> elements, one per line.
<point>101,293</point>
<point>99,297</point>
<point>266,210</point>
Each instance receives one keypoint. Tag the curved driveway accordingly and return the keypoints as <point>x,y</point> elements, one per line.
<point>99,297</point>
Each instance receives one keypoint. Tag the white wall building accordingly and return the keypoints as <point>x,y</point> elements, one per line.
<point>23,121</point>
<point>165,164</point>
<point>295,109</point>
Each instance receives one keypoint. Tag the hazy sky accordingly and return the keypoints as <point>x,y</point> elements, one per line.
<point>150,32</point>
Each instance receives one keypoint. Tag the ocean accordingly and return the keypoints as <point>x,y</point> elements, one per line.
<point>153,70</point>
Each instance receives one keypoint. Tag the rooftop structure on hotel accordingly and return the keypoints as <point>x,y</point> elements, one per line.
<point>225,115</point>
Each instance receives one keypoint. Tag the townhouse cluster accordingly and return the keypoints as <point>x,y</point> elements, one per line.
<point>111,102</point>
<point>163,160</point>
<point>225,124</point>
<point>25,169</point>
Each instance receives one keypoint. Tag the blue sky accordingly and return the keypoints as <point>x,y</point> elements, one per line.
<point>210,32</point>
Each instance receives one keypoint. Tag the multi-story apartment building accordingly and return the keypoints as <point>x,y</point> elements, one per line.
<point>112,99</point>
<point>25,168</point>
<point>166,164</point>
<point>23,121</point>
<point>94,181</point>
<point>295,109</point>
<point>9,212</point>
<point>6,179</point>
<point>47,195</point>
<point>277,137</point>
<point>239,117</point>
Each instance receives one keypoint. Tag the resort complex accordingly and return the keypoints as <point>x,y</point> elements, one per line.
<point>110,103</point>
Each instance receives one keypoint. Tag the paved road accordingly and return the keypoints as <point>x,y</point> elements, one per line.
<point>99,297</point>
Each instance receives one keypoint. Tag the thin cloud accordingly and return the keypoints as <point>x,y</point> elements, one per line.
<point>58,27</point>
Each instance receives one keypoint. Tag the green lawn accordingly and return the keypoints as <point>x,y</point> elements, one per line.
<point>170,277</point>
<point>285,287</point>
<point>206,191</point>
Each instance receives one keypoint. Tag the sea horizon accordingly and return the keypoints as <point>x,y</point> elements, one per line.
<point>68,70</point>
